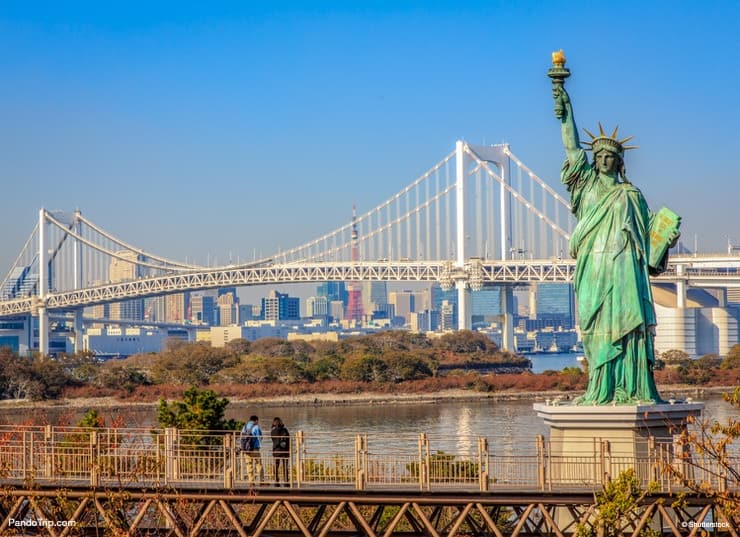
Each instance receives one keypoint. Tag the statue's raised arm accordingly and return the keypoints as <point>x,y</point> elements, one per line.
<point>563,107</point>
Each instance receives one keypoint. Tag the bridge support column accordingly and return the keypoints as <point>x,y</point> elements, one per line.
<point>464,311</point>
<point>680,287</point>
<point>507,315</point>
<point>43,286</point>
<point>43,331</point>
<point>79,342</point>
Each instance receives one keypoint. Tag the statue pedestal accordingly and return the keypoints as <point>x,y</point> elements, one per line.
<point>591,444</point>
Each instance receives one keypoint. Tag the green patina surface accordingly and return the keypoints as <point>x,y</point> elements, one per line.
<point>612,247</point>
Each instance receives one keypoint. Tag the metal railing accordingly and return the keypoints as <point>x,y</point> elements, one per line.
<point>73,456</point>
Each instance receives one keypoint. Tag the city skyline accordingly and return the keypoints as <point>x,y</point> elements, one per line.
<point>181,130</point>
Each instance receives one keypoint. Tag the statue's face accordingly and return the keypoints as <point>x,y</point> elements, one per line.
<point>606,162</point>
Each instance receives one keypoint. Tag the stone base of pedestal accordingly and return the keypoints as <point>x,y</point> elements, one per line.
<point>589,444</point>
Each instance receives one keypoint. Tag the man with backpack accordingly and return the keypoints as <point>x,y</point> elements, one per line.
<point>251,440</point>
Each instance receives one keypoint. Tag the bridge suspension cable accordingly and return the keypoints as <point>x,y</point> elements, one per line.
<point>168,262</point>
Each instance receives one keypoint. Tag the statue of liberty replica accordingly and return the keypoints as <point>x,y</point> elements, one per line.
<point>617,244</point>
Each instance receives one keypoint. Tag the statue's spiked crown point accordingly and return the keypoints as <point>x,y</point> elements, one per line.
<point>610,142</point>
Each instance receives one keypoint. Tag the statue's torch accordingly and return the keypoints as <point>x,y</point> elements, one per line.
<point>558,73</point>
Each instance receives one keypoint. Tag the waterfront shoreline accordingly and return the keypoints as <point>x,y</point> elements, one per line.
<point>367,398</point>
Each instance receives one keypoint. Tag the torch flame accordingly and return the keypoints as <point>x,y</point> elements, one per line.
<point>558,58</point>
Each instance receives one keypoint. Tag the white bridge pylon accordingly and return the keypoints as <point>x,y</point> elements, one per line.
<point>480,205</point>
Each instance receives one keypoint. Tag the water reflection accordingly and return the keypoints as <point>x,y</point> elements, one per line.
<point>452,425</point>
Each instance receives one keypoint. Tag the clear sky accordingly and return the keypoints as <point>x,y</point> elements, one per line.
<point>219,129</point>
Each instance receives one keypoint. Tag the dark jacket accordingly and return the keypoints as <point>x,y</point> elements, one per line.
<point>280,440</point>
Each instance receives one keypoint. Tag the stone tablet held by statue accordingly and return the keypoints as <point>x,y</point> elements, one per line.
<point>663,233</point>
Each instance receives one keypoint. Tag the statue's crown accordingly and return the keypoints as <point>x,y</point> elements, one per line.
<point>610,143</point>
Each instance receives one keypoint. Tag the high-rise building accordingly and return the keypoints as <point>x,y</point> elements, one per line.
<point>177,307</point>
<point>424,321</point>
<point>99,311</point>
<point>438,296</point>
<point>246,313</point>
<point>121,269</point>
<point>317,306</point>
<point>403,302</point>
<point>374,297</point>
<point>336,310</point>
<point>422,299</point>
<point>202,309</point>
<point>556,304</point>
<point>155,309</point>
<point>280,306</point>
<point>226,290</point>
<point>228,309</point>
<point>447,315</point>
<point>332,291</point>
<point>486,304</point>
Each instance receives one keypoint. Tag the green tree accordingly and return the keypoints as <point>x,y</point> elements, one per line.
<point>699,371</point>
<point>116,375</point>
<point>675,357</point>
<point>191,363</point>
<point>364,369</point>
<point>324,368</point>
<point>406,366</point>
<point>466,341</point>
<point>732,360</point>
<point>91,419</point>
<point>81,366</point>
<point>199,410</point>
<point>256,368</point>
<point>274,347</point>
<point>239,346</point>
<point>615,507</point>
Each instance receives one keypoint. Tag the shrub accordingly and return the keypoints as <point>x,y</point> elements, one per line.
<point>732,360</point>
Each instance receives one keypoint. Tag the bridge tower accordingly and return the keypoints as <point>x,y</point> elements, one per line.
<point>77,279</point>
<point>498,156</point>
<point>354,300</point>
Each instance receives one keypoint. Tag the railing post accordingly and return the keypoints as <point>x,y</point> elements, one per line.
<point>483,464</point>
<point>27,452</point>
<point>170,464</point>
<point>49,451</point>
<point>299,456</point>
<point>360,462</point>
<point>424,462</point>
<point>542,462</point>
<point>94,460</point>
<point>229,454</point>
<point>722,469</point>
<point>605,456</point>
<point>652,474</point>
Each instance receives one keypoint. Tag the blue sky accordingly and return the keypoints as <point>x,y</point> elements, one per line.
<point>220,129</point>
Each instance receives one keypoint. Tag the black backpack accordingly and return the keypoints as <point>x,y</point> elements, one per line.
<point>283,440</point>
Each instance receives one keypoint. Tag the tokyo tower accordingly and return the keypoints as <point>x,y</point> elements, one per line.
<point>354,301</point>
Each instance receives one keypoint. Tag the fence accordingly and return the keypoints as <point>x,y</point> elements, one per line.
<point>72,456</point>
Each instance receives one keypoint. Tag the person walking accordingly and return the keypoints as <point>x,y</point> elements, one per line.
<point>251,442</point>
<point>280,450</point>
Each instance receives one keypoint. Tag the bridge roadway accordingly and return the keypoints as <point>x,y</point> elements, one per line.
<point>174,482</point>
<point>702,271</point>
